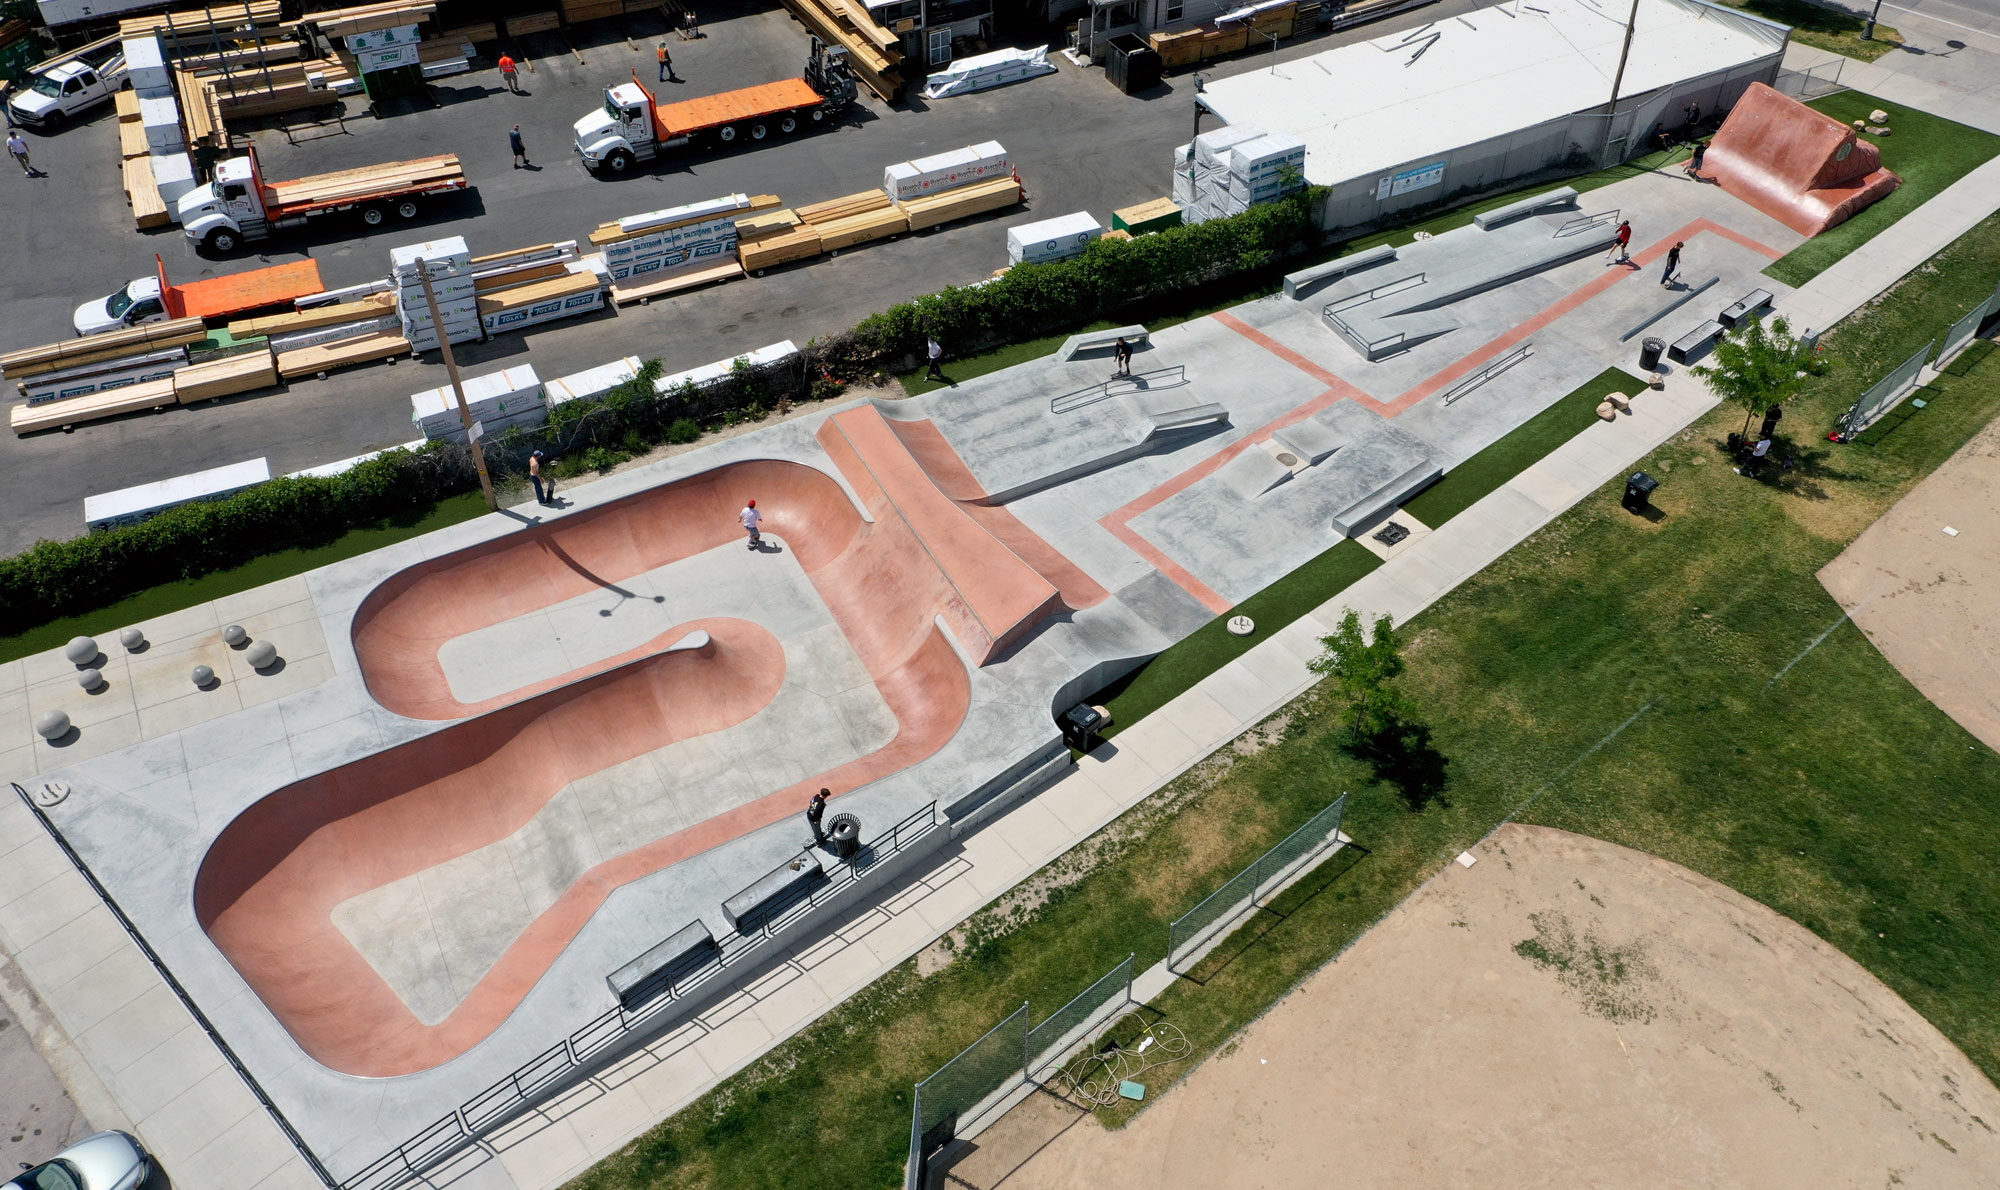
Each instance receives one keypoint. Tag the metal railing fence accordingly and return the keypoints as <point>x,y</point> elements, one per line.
<point>1318,836</point>
<point>1883,395</point>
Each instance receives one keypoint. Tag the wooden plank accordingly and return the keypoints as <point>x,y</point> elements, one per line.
<point>797,244</point>
<point>477,34</point>
<point>859,229</point>
<point>373,306</point>
<point>132,141</point>
<point>540,291</point>
<point>677,281</point>
<point>843,207</point>
<point>533,22</point>
<point>226,377</point>
<point>127,103</point>
<point>518,277</point>
<point>961,202</point>
<point>197,22</point>
<point>325,357</point>
<point>356,183</point>
<point>770,223</point>
<point>148,208</point>
<point>50,415</point>
<point>858,19</point>
<point>70,353</point>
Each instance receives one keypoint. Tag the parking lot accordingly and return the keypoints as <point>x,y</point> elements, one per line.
<point>1079,144</point>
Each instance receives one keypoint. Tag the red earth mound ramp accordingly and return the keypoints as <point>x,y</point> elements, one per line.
<point>1806,170</point>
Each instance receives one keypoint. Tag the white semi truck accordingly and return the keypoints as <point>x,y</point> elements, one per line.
<point>240,205</point>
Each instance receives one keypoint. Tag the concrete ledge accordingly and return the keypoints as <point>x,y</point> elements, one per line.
<point>1514,210</point>
<point>1187,415</point>
<point>1692,342</point>
<point>1752,302</point>
<point>654,971</point>
<point>786,881</point>
<point>1299,284</point>
<point>1076,345</point>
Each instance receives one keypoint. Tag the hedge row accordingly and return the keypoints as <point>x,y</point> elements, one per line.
<point>55,579</point>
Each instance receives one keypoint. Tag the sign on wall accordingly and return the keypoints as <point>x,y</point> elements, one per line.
<point>1410,179</point>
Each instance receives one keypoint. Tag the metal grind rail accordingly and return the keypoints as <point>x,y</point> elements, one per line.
<point>452,1134</point>
<point>1488,372</point>
<point>1583,223</point>
<point>1157,379</point>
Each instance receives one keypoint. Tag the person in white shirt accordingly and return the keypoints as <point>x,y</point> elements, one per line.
<point>751,518</point>
<point>17,148</point>
<point>936,353</point>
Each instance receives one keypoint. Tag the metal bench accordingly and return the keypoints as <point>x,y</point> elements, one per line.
<point>1299,284</point>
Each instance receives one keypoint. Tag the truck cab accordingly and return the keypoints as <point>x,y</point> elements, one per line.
<point>620,133</point>
<point>221,214</point>
<point>58,94</point>
<point>137,303</point>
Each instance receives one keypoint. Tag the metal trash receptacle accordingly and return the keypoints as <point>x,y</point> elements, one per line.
<point>844,831</point>
<point>1130,64</point>
<point>1639,492</point>
<point>1650,351</point>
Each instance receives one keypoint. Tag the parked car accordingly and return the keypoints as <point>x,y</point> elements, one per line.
<point>101,1161</point>
<point>136,303</point>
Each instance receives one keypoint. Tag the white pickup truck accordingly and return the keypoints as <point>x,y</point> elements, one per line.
<point>137,303</point>
<point>60,91</point>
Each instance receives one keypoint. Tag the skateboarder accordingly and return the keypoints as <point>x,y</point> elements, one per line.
<point>1693,168</point>
<point>1673,263</point>
<point>1619,244</point>
<point>1122,356</point>
<point>816,810</point>
<point>751,518</point>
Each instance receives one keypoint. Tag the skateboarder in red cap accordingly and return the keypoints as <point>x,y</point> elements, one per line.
<point>751,518</point>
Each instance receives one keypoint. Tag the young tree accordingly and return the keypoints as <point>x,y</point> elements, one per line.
<point>1363,668</point>
<point>1759,366</point>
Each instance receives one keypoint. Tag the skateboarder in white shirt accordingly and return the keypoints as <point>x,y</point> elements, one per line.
<point>751,518</point>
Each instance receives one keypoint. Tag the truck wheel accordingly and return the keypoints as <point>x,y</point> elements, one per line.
<point>54,121</point>
<point>759,130</point>
<point>407,209</point>
<point>788,123</point>
<point>728,133</point>
<point>373,216</point>
<point>619,162</point>
<point>819,115</point>
<point>219,242</point>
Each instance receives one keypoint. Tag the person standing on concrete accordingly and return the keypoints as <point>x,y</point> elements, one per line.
<point>1693,168</point>
<point>751,519</point>
<point>17,148</point>
<point>1619,245</point>
<point>1122,356</point>
<point>667,64</point>
<point>936,353</point>
<point>1673,263</point>
<point>520,150</point>
<point>507,73</point>
<point>816,810</point>
<point>535,477</point>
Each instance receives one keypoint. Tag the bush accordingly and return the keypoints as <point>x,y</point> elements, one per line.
<point>682,432</point>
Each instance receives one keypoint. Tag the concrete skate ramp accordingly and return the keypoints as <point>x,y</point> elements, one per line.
<point>1806,170</point>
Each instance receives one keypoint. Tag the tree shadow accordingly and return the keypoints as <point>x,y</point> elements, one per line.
<point>1402,755</point>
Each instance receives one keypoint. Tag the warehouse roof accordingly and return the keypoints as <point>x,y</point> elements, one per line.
<point>1367,108</point>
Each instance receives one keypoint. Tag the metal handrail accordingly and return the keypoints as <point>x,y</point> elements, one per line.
<point>1102,390</point>
<point>1488,372</point>
<point>1387,287</point>
<point>453,1133</point>
<point>1583,223</point>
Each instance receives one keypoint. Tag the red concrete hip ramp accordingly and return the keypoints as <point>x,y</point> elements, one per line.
<point>1806,170</point>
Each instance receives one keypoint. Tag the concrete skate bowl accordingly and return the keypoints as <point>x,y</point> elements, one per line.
<point>1806,170</point>
<point>267,889</point>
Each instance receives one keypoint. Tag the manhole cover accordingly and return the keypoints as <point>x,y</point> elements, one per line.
<point>1289,460</point>
<point>1241,625</point>
<point>1391,533</point>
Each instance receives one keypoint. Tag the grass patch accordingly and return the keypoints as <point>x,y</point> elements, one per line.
<point>173,597</point>
<point>1212,646</point>
<point>1835,793</point>
<point>1470,481</point>
<point>1928,152</point>
<point>1824,28</point>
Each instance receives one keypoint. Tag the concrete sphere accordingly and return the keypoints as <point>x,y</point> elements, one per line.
<point>132,638</point>
<point>52,725</point>
<point>80,649</point>
<point>234,636</point>
<point>202,676</point>
<point>90,679</point>
<point>262,654</point>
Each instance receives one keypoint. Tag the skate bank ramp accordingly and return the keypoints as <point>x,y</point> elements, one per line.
<point>1806,170</point>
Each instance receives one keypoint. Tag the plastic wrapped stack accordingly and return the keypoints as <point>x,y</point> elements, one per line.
<point>146,67</point>
<point>1052,239</point>
<point>499,401</point>
<point>698,234</point>
<point>986,162</point>
<point>987,70</point>
<point>1234,168</point>
<point>449,264</point>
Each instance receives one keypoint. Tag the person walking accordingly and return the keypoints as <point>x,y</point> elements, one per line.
<point>816,810</point>
<point>17,148</point>
<point>1619,244</point>
<point>520,150</point>
<point>1673,263</point>
<point>667,64</point>
<point>1693,167</point>
<point>751,519</point>
<point>535,477</point>
<point>936,353</point>
<point>507,73</point>
<point>1122,355</point>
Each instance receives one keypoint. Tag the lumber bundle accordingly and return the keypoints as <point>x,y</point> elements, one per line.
<point>879,69</point>
<point>225,377</point>
<point>127,103</point>
<point>534,22</point>
<point>325,357</point>
<point>842,208</point>
<point>614,231</point>
<point>835,234</point>
<point>148,208</point>
<point>960,202</point>
<point>675,281</point>
<point>768,223</point>
<point>378,305</point>
<point>567,285</point>
<point>110,402</point>
<point>199,117</point>
<point>250,57</point>
<point>518,277</point>
<point>421,173</point>
<point>189,21</point>
<point>367,18</point>
<point>779,247</point>
<point>132,140</point>
<point>479,33</point>
<point>574,11</point>
<point>132,340</point>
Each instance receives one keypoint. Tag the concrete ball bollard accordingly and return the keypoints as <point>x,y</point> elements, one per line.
<point>90,679</point>
<point>234,636</point>
<point>202,676</point>
<point>80,649</point>
<point>262,655</point>
<point>131,638</point>
<point>52,725</point>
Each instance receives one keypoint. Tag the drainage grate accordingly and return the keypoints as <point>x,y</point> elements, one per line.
<point>1391,533</point>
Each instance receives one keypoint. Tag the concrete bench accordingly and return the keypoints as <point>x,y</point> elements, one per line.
<point>1487,220</point>
<point>773,891</point>
<point>1756,300</point>
<point>653,973</point>
<point>1076,345</point>
<point>1185,416</point>
<point>1303,282</point>
<point>1692,342</point>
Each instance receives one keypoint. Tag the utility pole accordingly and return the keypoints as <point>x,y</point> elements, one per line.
<point>457,389</point>
<point>1200,83</point>
<point>1631,23</point>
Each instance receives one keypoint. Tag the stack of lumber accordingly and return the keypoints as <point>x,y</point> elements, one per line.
<point>241,373</point>
<point>367,18</point>
<point>249,57</point>
<point>1185,47</point>
<point>347,184</point>
<point>132,139</point>
<point>199,115</point>
<point>132,340</point>
<point>325,357</point>
<point>380,305</point>
<point>518,277</point>
<point>148,208</point>
<point>614,231</point>
<point>574,11</point>
<point>188,21</point>
<point>64,414</point>
<point>567,284</point>
<point>534,22</point>
<point>855,219</point>
<point>872,51</point>
<point>482,33</point>
<point>778,237</point>
<point>960,202</point>
<point>127,103</point>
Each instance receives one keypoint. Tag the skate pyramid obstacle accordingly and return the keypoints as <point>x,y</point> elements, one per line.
<point>1806,170</point>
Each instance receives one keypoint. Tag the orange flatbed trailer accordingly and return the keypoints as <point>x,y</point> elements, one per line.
<point>239,293</point>
<point>689,116</point>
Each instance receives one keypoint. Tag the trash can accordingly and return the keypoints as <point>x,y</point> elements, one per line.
<point>1650,351</point>
<point>1080,725</point>
<point>1131,64</point>
<point>845,834</point>
<point>1639,492</point>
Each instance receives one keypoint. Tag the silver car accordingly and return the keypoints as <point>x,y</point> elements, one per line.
<point>102,1161</point>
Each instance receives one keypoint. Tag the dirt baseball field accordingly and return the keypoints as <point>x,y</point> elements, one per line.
<point>1922,583</point>
<point>1564,1012</point>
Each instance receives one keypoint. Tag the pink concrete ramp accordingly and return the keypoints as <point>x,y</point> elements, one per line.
<point>1806,170</point>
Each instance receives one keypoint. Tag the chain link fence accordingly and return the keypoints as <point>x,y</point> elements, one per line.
<point>1191,931</point>
<point>1965,330</point>
<point>1052,1038</point>
<point>1881,398</point>
<point>1814,82</point>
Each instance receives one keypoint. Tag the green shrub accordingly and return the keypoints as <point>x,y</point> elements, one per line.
<point>682,431</point>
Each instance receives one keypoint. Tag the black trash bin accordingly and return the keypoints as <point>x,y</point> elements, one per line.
<point>845,833</point>
<point>1650,352</point>
<point>1639,492</point>
<point>1080,725</point>
<point>1131,64</point>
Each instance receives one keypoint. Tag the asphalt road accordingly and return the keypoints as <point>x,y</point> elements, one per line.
<point>1079,145</point>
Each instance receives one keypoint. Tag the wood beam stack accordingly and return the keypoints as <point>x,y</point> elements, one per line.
<point>132,340</point>
<point>54,415</point>
<point>367,18</point>
<point>359,183</point>
<point>148,208</point>
<point>534,22</point>
<point>854,219</point>
<point>779,237</point>
<point>960,202</point>
<point>188,22</point>
<point>325,357</point>
<point>244,372</point>
<point>878,67</point>
<point>380,305</point>
<point>576,11</point>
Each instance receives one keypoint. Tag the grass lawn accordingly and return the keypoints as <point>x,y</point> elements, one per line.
<point>172,597</point>
<point>1824,28</point>
<point>1654,683</point>
<point>1928,152</point>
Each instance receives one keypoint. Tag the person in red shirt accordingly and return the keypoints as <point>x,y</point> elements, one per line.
<point>507,72</point>
<point>1620,244</point>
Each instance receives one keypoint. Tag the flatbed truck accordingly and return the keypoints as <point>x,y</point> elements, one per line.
<point>633,126</point>
<point>240,205</point>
